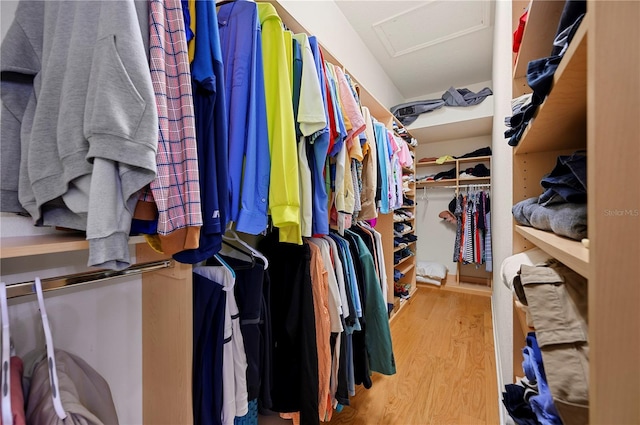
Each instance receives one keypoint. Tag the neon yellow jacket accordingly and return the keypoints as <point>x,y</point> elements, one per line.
<point>284,190</point>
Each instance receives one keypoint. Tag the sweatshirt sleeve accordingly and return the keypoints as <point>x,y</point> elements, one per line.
<point>121,125</point>
<point>120,106</point>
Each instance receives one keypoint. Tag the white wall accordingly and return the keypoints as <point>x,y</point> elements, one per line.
<point>341,40</point>
<point>101,323</point>
<point>502,201</point>
<point>435,236</point>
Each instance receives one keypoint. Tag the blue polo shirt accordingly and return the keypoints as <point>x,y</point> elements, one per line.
<point>249,157</point>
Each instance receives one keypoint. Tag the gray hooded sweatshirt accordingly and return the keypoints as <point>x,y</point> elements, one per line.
<point>88,132</point>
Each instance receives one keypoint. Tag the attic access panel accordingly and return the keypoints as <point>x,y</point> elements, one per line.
<point>431,23</point>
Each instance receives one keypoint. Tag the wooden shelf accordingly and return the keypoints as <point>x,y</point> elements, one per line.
<point>451,284</point>
<point>453,161</point>
<point>403,261</point>
<point>406,232</point>
<point>522,320</point>
<point>467,180</point>
<point>407,170</point>
<point>475,159</point>
<point>406,268</point>
<point>444,182</point>
<point>571,253</point>
<point>400,303</point>
<point>432,163</point>
<point>404,221</point>
<point>457,181</point>
<point>23,246</point>
<point>397,248</point>
<point>537,40</point>
<point>560,122</point>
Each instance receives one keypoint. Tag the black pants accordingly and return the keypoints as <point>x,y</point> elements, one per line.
<point>294,348</point>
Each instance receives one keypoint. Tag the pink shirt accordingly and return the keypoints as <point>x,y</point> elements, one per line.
<point>352,109</point>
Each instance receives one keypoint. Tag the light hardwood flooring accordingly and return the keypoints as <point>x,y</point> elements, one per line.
<point>446,372</point>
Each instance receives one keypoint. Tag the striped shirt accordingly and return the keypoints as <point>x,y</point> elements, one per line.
<point>176,189</point>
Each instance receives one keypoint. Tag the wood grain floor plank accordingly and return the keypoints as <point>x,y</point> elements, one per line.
<point>446,374</point>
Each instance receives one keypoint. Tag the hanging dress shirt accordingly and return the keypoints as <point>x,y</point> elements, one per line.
<point>317,151</point>
<point>175,190</point>
<point>249,157</point>
<point>306,188</point>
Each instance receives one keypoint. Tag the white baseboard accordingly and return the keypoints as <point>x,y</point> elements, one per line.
<point>505,419</point>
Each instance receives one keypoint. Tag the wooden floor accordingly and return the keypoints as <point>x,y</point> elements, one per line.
<point>446,372</point>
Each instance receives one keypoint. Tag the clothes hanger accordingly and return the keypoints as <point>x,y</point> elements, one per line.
<point>225,265</point>
<point>51,359</point>
<point>231,235</point>
<point>236,249</point>
<point>7,415</point>
<point>242,251</point>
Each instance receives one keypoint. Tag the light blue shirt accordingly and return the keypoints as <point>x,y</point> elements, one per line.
<point>351,280</point>
<point>249,158</point>
<point>318,155</point>
<point>382,145</point>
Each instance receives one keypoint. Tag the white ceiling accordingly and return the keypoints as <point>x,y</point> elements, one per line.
<point>425,47</point>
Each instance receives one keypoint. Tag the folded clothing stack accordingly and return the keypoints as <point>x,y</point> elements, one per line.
<point>430,272</point>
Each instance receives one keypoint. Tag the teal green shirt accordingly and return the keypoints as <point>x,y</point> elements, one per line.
<point>378,333</point>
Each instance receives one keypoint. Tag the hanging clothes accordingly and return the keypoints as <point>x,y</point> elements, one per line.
<point>78,119</point>
<point>85,394</point>
<point>370,171</point>
<point>209,300</point>
<point>249,148</point>
<point>212,135</point>
<point>17,395</point>
<point>294,348</point>
<point>318,149</point>
<point>284,191</point>
<point>252,294</point>
<point>175,192</point>
<point>473,229</point>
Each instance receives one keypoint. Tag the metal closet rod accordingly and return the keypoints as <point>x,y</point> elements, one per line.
<point>53,283</point>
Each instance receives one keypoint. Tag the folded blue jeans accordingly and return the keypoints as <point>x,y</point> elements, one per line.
<point>567,182</point>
